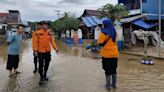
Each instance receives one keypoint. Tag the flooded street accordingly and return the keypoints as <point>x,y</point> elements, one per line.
<point>73,71</point>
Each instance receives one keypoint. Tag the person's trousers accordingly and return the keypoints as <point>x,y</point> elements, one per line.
<point>109,65</point>
<point>44,61</point>
<point>12,62</point>
<point>35,61</point>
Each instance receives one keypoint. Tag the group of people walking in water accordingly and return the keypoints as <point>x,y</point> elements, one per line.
<point>42,40</point>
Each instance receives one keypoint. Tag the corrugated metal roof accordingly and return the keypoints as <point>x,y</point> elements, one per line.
<point>4,14</point>
<point>143,24</point>
<point>97,20</point>
<point>86,22</point>
<point>130,19</point>
<point>91,21</point>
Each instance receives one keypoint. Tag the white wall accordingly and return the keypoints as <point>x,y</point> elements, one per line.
<point>97,31</point>
<point>119,30</point>
<point>0,26</point>
<point>3,25</point>
<point>72,33</point>
<point>28,29</point>
<point>79,33</point>
<point>67,33</point>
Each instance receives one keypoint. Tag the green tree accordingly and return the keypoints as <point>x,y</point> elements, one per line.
<point>67,22</point>
<point>114,11</point>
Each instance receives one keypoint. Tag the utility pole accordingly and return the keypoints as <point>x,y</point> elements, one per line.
<point>58,13</point>
<point>159,4</point>
<point>141,6</point>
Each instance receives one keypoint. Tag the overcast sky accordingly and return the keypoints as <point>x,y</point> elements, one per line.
<point>36,10</point>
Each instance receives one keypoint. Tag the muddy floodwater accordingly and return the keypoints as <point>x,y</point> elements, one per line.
<point>72,70</point>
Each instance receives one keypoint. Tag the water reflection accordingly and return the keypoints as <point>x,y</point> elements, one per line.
<point>68,49</point>
<point>75,51</point>
<point>12,85</point>
<point>3,53</point>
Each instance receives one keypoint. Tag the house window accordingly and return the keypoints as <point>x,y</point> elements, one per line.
<point>131,4</point>
<point>144,1</point>
<point>135,4</point>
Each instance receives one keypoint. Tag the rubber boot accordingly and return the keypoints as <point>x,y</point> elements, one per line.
<point>41,81</point>
<point>108,82</point>
<point>41,78</point>
<point>114,80</point>
<point>45,77</point>
<point>35,70</point>
<point>35,64</point>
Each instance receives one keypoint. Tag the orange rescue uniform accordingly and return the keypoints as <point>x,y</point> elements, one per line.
<point>110,50</point>
<point>43,41</point>
<point>33,39</point>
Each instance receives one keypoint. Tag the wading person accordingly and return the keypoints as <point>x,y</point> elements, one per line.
<point>109,53</point>
<point>14,45</point>
<point>39,26</point>
<point>75,39</point>
<point>44,39</point>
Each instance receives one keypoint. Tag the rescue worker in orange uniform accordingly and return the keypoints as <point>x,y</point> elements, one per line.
<point>109,52</point>
<point>39,26</point>
<point>44,39</point>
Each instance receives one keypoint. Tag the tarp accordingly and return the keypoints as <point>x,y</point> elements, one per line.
<point>91,21</point>
<point>143,24</point>
<point>139,34</point>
